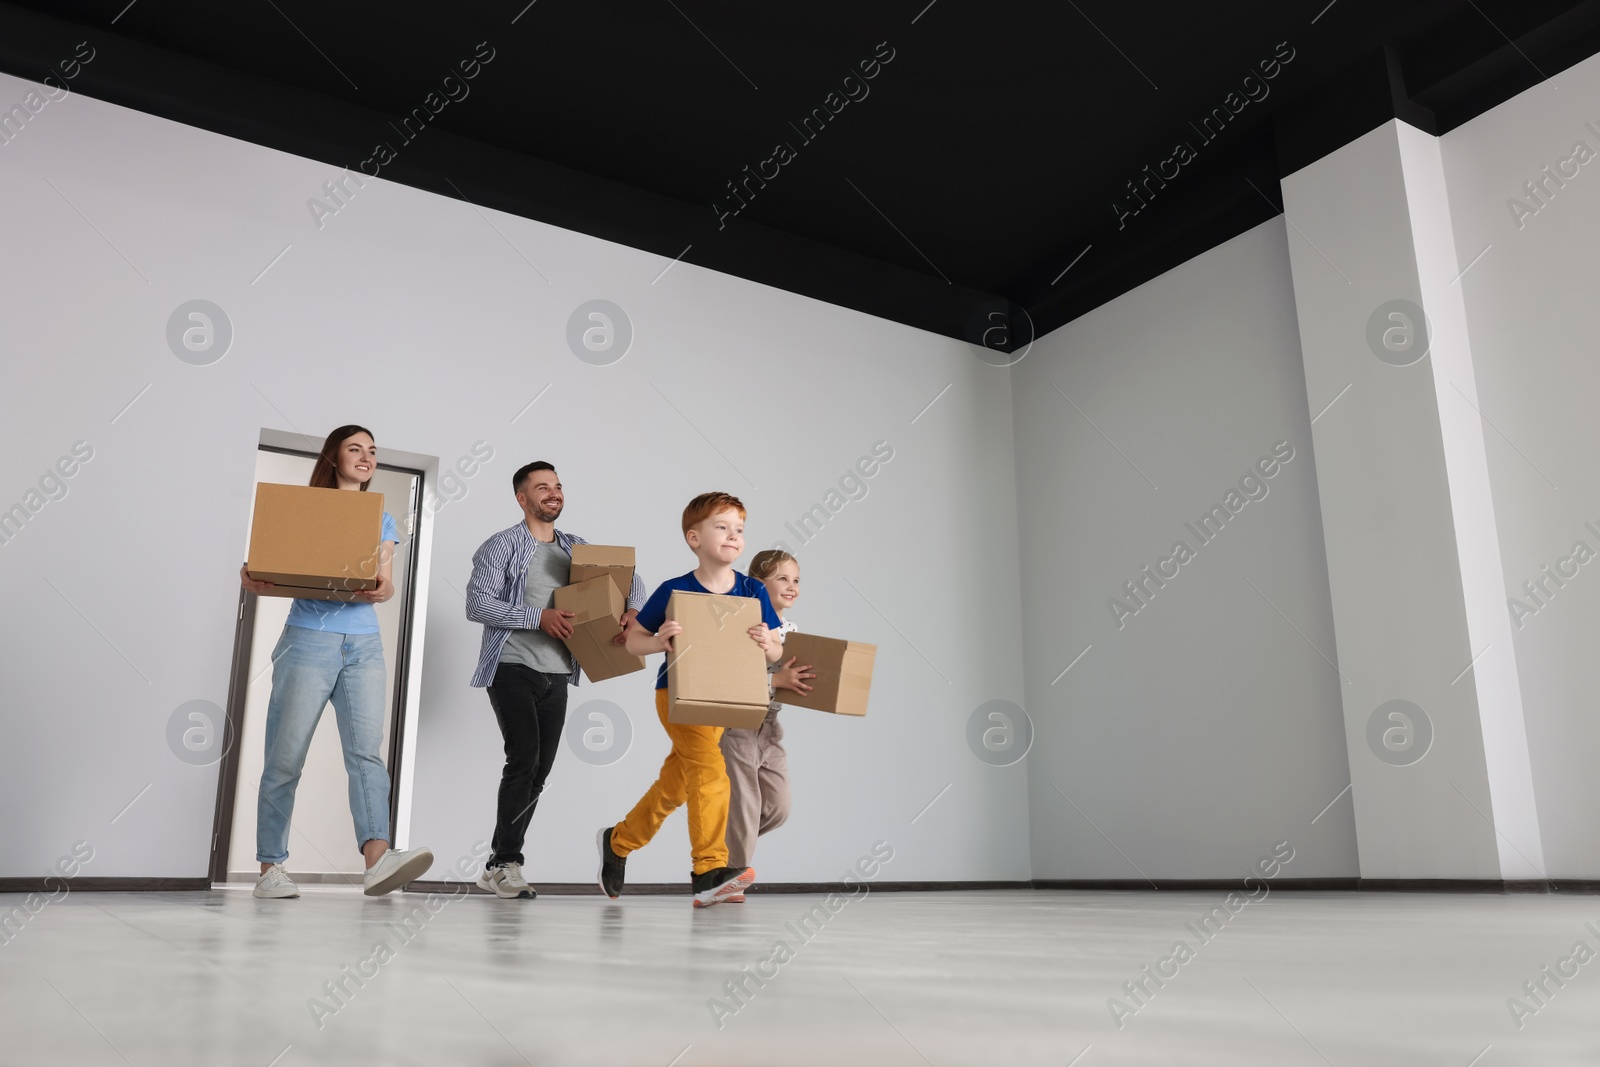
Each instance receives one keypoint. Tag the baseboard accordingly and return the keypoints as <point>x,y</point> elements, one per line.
<point>1170,885</point>
<point>587,889</point>
<point>882,886</point>
<point>54,883</point>
<point>1361,885</point>
<point>298,878</point>
<point>1478,885</point>
<point>1191,885</point>
<point>1569,885</point>
<point>1579,886</point>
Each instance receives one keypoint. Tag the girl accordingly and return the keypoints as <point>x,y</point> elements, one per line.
<point>758,767</point>
<point>330,650</point>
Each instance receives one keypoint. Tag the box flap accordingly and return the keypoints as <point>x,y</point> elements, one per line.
<point>602,555</point>
<point>711,713</point>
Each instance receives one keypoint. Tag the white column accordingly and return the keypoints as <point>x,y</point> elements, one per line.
<point>1441,783</point>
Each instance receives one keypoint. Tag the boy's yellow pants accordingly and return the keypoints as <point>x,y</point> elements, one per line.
<point>693,774</point>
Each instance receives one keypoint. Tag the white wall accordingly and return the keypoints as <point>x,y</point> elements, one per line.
<point>419,317</point>
<point>1199,731</point>
<point>1408,524</point>
<point>1530,313</point>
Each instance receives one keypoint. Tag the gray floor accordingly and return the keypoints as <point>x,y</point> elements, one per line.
<point>1013,978</point>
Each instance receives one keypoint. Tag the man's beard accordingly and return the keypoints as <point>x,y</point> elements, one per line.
<point>547,516</point>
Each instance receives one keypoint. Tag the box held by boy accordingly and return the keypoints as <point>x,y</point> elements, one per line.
<point>716,675</point>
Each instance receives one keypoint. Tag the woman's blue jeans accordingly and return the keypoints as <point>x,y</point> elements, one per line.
<point>311,668</point>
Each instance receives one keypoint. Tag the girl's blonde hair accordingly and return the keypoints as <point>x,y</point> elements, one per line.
<point>767,561</point>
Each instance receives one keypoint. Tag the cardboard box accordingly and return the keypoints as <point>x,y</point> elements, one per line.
<point>843,669</point>
<point>598,618</point>
<point>591,561</point>
<point>315,544</point>
<point>716,675</point>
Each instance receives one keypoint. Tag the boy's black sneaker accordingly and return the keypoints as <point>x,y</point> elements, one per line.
<point>720,883</point>
<point>613,868</point>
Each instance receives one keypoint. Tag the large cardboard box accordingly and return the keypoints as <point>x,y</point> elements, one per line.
<point>591,561</point>
<point>315,544</point>
<point>716,675</point>
<point>843,669</point>
<point>598,607</point>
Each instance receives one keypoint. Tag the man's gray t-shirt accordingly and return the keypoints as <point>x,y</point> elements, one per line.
<point>548,570</point>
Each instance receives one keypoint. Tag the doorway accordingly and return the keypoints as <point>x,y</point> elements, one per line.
<point>322,845</point>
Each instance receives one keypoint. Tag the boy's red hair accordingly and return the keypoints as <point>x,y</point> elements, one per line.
<point>706,505</point>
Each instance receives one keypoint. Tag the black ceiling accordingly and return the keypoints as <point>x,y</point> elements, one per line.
<point>980,167</point>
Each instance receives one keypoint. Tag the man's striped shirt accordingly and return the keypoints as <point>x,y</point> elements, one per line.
<point>494,595</point>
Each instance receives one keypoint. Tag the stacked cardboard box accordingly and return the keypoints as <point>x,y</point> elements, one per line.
<point>591,561</point>
<point>315,544</point>
<point>598,608</point>
<point>843,673</point>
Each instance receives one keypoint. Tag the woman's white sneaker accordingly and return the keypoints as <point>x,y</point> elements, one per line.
<point>275,884</point>
<point>506,881</point>
<point>394,869</point>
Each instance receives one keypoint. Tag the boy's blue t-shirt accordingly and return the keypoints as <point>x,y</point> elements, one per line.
<point>654,612</point>
<point>338,617</point>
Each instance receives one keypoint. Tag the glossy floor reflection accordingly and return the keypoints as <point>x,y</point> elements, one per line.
<point>1014,978</point>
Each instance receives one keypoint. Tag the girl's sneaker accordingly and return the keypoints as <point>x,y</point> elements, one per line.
<point>717,885</point>
<point>275,884</point>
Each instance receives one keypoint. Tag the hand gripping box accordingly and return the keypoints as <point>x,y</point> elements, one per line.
<point>315,544</point>
<point>591,561</point>
<point>598,607</point>
<point>843,669</point>
<point>716,675</point>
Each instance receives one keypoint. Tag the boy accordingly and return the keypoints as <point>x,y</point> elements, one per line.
<point>713,526</point>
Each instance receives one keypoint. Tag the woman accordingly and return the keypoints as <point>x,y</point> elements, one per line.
<point>331,650</point>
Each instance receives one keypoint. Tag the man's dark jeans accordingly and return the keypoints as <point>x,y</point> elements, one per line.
<point>532,708</point>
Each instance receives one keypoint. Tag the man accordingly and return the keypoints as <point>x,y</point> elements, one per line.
<point>523,661</point>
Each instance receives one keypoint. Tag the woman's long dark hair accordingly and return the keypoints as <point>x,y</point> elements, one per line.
<point>325,474</point>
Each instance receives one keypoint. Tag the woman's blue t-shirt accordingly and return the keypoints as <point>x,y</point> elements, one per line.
<point>334,616</point>
<point>654,612</point>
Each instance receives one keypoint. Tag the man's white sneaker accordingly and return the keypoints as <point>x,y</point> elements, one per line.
<point>507,881</point>
<point>394,869</point>
<point>274,884</point>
